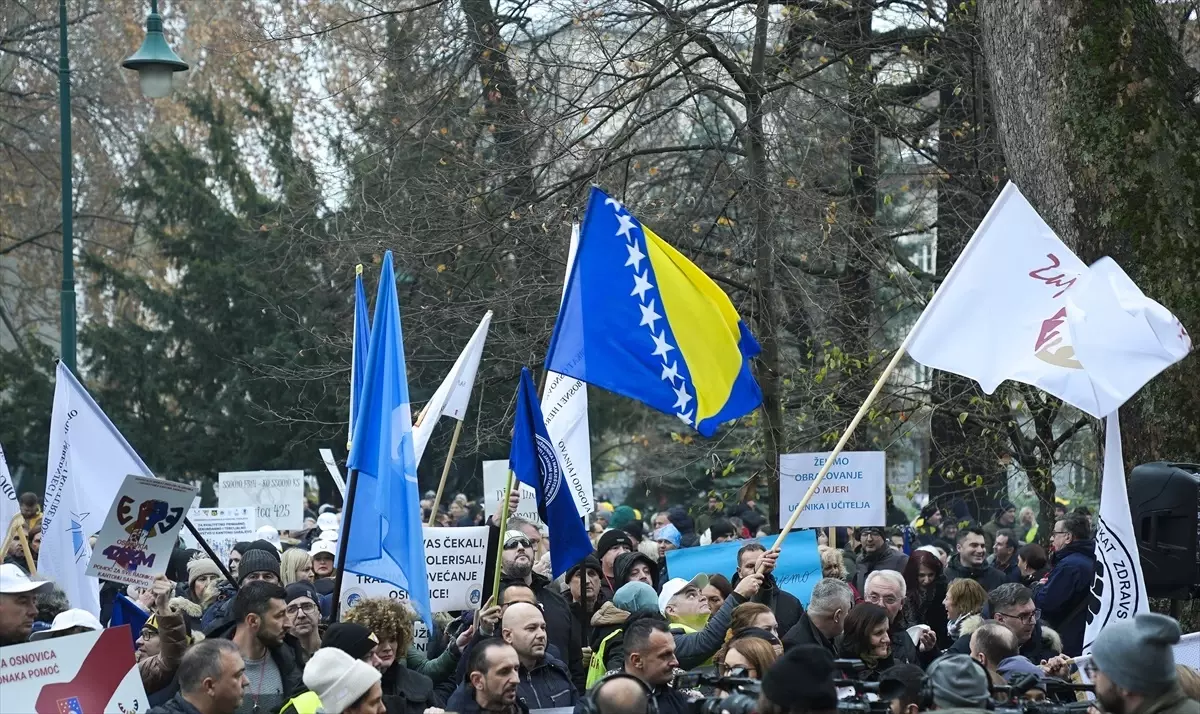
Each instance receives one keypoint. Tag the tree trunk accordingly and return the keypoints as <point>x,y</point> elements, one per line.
<point>1099,121</point>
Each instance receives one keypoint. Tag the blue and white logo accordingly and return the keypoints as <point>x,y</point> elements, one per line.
<point>474,597</point>
<point>551,472</point>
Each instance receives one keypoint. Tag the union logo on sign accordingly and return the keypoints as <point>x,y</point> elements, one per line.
<point>548,465</point>
<point>1115,593</point>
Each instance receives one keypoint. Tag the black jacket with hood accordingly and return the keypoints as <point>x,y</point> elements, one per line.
<point>625,562</point>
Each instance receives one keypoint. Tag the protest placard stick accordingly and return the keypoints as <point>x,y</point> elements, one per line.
<point>16,530</point>
<point>210,553</point>
<point>343,543</point>
<point>502,524</point>
<point>437,499</point>
<point>18,521</point>
<point>833,537</point>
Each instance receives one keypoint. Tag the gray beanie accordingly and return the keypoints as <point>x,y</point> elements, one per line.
<point>958,681</point>
<point>1138,654</point>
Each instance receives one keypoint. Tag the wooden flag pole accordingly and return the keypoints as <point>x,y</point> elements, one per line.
<point>437,499</point>
<point>862,411</point>
<point>18,521</point>
<point>833,537</point>
<point>16,530</point>
<point>29,561</point>
<point>500,550</point>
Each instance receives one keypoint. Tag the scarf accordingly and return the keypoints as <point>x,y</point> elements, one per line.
<point>952,628</point>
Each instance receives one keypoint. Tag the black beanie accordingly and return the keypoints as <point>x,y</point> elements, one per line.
<point>302,588</point>
<point>350,637</point>
<point>263,545</point>
<point>802,679</point>
<point>611,538</point>
<point>590,562</point>
<point>257,560</point>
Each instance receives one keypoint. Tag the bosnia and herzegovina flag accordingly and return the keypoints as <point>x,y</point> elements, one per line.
<point>641,320</point>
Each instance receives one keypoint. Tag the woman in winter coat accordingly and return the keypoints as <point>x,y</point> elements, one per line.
<point>866,638</point>
<point>926,590</point>
<point>964,602</point>
<point>165,636</point>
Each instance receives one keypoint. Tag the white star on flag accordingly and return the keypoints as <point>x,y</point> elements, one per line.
<point>682,397</point>
<point>610,201</point>
<point>626,225</point>
<point>641,285</point>
<point>661,346</point>
<point>649,316</point>
<point>686,418</point>
<point>671,373</point>
<point>635,256</point>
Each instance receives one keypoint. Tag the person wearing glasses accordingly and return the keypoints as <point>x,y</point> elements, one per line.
<point>304,616</point>
<point>1065,596</point>
<point>1011,605</point>
<point>886,588</point>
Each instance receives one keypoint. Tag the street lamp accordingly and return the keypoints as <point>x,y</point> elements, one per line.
<point>154,61</point>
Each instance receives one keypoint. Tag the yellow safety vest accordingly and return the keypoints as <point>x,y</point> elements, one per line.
<point>307,703</point>
<point>596,668</point>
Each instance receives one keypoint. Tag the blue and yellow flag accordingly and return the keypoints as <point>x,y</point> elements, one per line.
<point>641,320</point>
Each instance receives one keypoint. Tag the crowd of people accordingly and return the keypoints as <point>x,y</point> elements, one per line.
<point>935,615</point>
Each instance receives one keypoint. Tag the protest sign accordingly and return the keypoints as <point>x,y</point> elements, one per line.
<point>495,480</point>
<point>8,495</point>
<point>852,494</point>
<point>276,496</point>
<point>455,563</point>
<point>797,571</point>
<point>139,533</point>
<point>89,672</point>
<point>221,527</point>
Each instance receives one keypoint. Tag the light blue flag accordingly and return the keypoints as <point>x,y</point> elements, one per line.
<point>534,461</point>
<point>385,529</point>
<point>797,570</point>
<point>359,349</point>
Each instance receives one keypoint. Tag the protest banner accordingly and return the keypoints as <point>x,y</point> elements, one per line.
<point>276,496</point>
<point>495,481</point>
<point>455,563</point>
<point>139,533</point>
<point>9,508</point>
<point>797,571</point>
<point>221,527</point>
<point>76,674</point>
<point>854,492</point>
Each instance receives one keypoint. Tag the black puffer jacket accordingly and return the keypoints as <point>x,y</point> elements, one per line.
<point>406,691</point>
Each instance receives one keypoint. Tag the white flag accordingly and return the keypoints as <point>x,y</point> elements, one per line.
<point>454,393</point>
<point>565,410</point>
<point>9,508</point>
<point>88,461</point>
<point>1018,304</point>
<point>1119,590</point>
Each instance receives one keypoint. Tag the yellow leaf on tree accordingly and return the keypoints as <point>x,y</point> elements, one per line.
<point>441,267</point>
<point>792,182</point>
<point>653,170</point>
<point>443,131</point>
<point>723,221</point>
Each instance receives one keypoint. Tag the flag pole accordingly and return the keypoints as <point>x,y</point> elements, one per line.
<point>210,553</point>
<point>502,524</point>
<point>437,499</point>
<point>16,530</point>
<point>862,411</point>
<point>343,543</point>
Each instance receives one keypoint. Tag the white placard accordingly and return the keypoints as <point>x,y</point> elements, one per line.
<point>76,674</point>
<point>139,533</point>
<point>221,528</point>
<point>495,480</point>
<point>276,496</point>
<point>455,565</point>
<point>852,494</point>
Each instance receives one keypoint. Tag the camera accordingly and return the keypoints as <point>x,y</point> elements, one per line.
<point>866,696</point>
<point>1053,688</point>
<point>741,692</point>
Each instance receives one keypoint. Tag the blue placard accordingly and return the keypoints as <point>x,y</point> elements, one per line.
<point>798,569</point>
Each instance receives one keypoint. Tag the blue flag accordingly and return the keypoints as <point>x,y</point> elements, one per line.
<point>126,612</point>
<point>359,349</point>
<point>385,535</point>
<point>535,462</point>
<point>640,319</point>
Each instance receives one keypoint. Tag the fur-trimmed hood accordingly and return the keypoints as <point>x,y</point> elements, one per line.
<point>1051,639</point>
<point>970,624</point>
<point>609,614</point>
<point>187,607</point>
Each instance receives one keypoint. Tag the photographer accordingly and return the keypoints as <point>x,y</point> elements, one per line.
<point>800,682</point>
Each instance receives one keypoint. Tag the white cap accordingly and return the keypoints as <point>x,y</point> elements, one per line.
<point>674,586</point>
<point>323,546</point>
<point>329,534</point>
<point>14,581</point>
<point>67,619</point>
<point>327,521</point>
<point>270,535</point>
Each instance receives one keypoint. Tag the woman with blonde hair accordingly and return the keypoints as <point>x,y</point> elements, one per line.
<point>833,565</point>
<point>295,565</point>
<point>964,601</point>
<point>753,655</point>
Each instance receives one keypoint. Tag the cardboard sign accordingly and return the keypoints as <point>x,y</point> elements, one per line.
<point>797,571</point>
<point>139,533</point>
<point>495,480</point>
<point>223,528</point>
<point>455,564</point>
<point>77,674</point>
<point>853,493</point>
<point>276,496</point>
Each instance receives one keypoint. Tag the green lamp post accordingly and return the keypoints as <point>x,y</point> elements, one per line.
<point>155,62</point>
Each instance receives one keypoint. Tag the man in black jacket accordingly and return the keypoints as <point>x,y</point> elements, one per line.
<point>211,677</point>
<point>274,660</point>
<point>877,554</point>
<point>1011,605</point>
<point>822,623</point>
<point>545,682</point>
<point>493,672</point>
<point>650,656</point>
<point>971,561</point>
<point>786,606</point>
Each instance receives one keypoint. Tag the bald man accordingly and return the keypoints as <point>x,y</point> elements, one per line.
<point>620,695</point>
<point>545,680</point>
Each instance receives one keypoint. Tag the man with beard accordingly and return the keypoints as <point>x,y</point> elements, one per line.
<point>877,554</point>
<point>1133,667</point>
<point>303,616</point>
<point>1005,517</point>
<point>517,566</point>
<point>494,672</point>
<point>786,607</point>
<point>1064,598</point>
<point>971,561</point>
<point>274,661</point>
<point>545,682</point>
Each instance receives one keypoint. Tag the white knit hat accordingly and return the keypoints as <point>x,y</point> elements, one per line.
<point>337,678</point>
